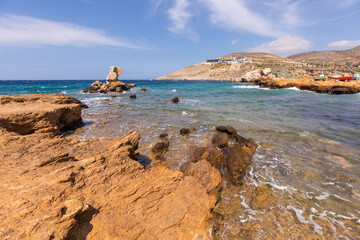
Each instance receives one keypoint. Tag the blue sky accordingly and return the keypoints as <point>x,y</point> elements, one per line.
<point>80,39</point>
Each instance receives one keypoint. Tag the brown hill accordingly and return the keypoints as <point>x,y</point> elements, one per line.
<point>257,56</point>
<point>334,57</point>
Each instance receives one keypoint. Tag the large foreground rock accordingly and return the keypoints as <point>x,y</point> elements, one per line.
<point>26,114</point>
<point>54,187</point>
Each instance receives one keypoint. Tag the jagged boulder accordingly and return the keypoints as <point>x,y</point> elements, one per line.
<point>114,74</point>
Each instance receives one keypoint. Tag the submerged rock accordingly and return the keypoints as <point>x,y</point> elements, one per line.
<point>184,131</point>
<point>143,89</point>
<point>238,159</point>
<point>175,100</point>
<point>220,140</point>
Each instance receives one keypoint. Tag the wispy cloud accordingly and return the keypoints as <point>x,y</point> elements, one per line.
<point>34,32</point>
<point>180,16</point>
<point>284,45</point>
<point>344,44</point>
<point>235,15</point>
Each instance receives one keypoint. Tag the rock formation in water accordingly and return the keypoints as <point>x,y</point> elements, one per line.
<point>55,187</point>
<point>114,74</point>
<point>112,83</point>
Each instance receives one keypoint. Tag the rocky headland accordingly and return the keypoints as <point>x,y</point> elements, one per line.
<point>280,72</point>
<point>55,187</point>
<point>309,84</point>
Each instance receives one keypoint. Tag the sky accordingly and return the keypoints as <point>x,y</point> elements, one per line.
<point>80,39</point>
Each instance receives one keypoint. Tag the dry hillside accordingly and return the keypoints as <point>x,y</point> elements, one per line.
<point>344,57</point>
<point>257,56</point>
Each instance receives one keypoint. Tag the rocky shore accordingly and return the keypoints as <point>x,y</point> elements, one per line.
<point>309,84</point>
<point>56,187</point>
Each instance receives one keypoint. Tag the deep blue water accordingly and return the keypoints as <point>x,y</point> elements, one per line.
<point>314,138</point>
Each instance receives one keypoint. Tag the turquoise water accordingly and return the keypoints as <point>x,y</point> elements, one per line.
<point>309,144</point>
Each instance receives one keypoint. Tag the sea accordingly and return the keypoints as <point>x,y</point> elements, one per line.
<point>308,154</point>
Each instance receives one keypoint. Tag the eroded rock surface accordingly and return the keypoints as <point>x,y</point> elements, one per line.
<point>309,84</point>
<point>26,114</point>
<point>58,188</point>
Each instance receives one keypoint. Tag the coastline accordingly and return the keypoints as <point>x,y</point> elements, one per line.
<point>102,120</point>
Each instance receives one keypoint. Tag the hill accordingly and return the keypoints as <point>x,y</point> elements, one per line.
<point>257,56</point>
<point>343,58</point>
<point>235,71</point>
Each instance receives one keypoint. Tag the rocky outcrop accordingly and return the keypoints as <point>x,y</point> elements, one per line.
<point>309,84</point>
<point>114,74</point>
<point>112,86</point>
<point>230,153</point>
<point>112,83</point>
<point>255,74</point>
<point>25,114</point>
<point>60,188</point>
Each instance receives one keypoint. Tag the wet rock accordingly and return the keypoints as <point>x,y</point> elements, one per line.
<point>226,129</point>
<point>184,131</point>
<point>163,135</point>
<point>211,154</point>
<point>262,198</point>
<point>131,85</point>
<point>106,100</point>
<point>161,147</point>
<point>220,140</point>
<point>175,100</point>
<point>208,176</point>
<point>132,96</point>
<point>36,90</point>
<point>192,129</point>
<point>238,158</point>
<point>143,89</point>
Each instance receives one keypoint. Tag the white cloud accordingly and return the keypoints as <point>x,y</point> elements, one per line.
<point>235,41</point>
<point>284,45</point>
<point>235,15</point>
<point>344,44</point>
<point>34,32</point>
<point>180,16</point>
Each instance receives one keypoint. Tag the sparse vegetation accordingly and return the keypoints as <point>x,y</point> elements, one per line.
<point>220,65</point>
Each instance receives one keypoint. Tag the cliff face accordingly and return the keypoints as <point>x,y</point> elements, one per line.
<point>58,188</point>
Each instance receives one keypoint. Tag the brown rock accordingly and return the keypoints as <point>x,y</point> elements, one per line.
<point>238,158</point>
<point>208,176</point>
<point>26,114</point>
<point>175,100</point>
<point>211,154</point>
<point>143,89</point>
<point>59,188</point>
<point>132,96</point>
<point>114,74</point>
<point>163,135</point>
<point>184,131</point>
<point>161,147</point>
<point>220,140</point>
<point>262,198</point>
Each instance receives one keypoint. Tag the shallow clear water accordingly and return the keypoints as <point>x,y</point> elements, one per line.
<point>309,143</point>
